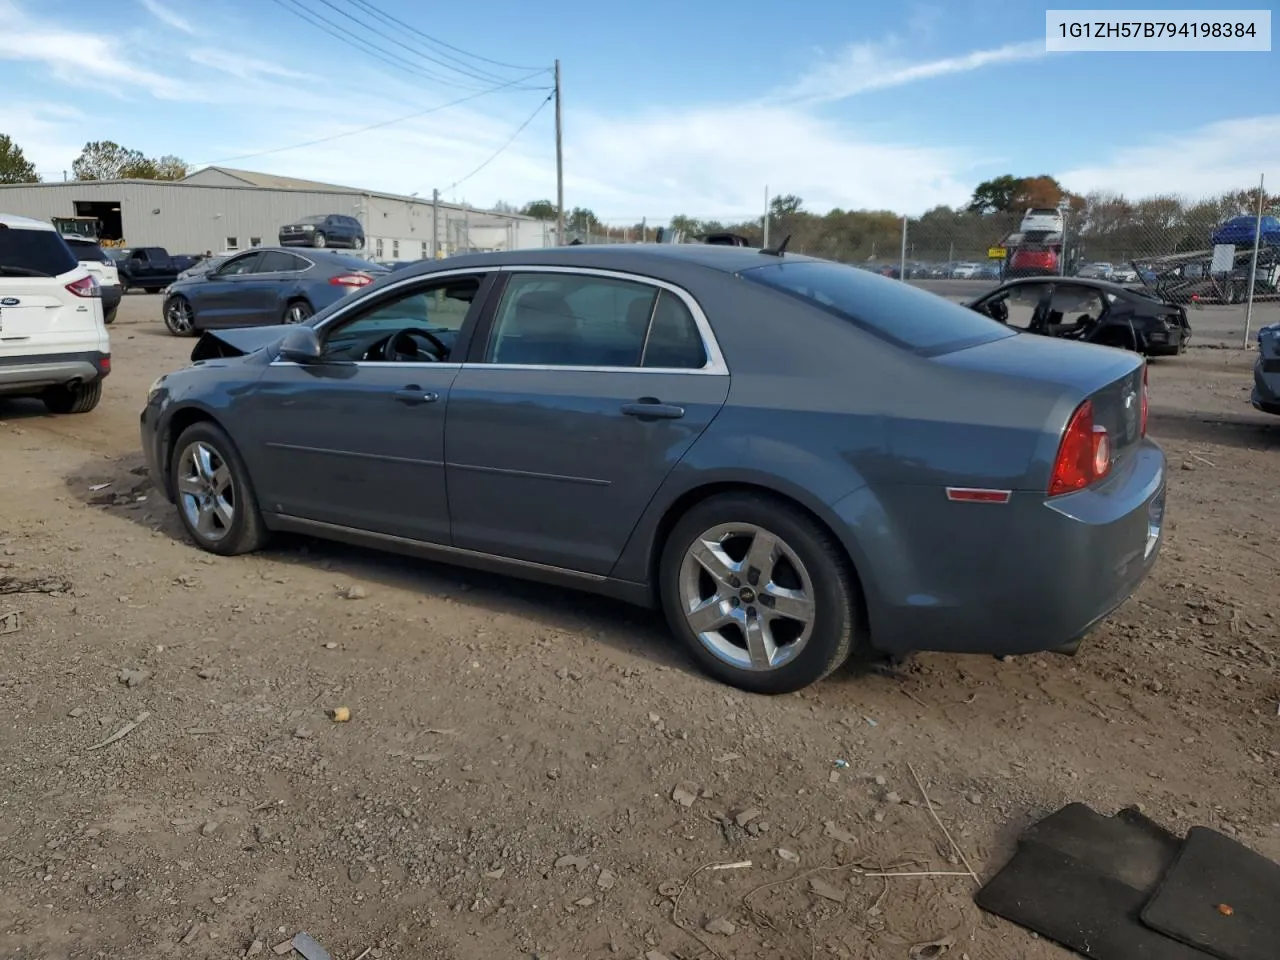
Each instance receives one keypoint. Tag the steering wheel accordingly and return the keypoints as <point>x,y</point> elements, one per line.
<point>401,348</point>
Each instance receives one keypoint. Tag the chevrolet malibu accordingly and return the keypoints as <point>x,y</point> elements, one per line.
<point>794,459</point>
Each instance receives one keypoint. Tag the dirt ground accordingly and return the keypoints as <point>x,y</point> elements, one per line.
<point>505,785</point>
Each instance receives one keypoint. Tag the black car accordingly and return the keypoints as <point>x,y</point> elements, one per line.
<point>323,230</point>
<point>1093,311</point>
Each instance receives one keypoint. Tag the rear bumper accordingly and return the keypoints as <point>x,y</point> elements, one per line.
<point>31,374</point>
<point>1024,577</point>
<point>1266,388</point>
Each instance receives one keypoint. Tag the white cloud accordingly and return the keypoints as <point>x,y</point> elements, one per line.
<point>167,16</point>
<point>866,67</point>
<point>1220,156</point>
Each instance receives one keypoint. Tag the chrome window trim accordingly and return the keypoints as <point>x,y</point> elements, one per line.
<point>715,365</point>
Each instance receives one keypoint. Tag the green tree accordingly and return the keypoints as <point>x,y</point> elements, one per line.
<point>14,166</point>
<point>540,210</point>
<point>785,205</point>
<point>107,160</point>
<point>995,195</point>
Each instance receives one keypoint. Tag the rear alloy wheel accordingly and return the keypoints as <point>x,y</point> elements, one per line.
<point>760,593</point>
<point>215,499</point>
<point>319,240</point>
<point>297,311</point>
<point>78,399</point>
<point>179,318</point>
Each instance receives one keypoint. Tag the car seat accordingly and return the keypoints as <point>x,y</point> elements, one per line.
<point>541,330</point>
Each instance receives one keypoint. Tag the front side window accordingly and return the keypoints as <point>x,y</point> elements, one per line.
<point>419,325</point>
<point>240,265</point>
<point>573,321</point>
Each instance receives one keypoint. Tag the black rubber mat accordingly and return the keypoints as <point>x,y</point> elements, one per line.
<point>1213,870</point>
<point>1081,879</point>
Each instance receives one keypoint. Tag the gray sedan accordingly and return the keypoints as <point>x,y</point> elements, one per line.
<point>266,285</point>
<point>794,459</point>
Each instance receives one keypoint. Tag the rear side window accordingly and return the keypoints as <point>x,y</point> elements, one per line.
<point>277,261</point>
<point>88,251</point>
<point>34,253</point>
<point>890,309</point>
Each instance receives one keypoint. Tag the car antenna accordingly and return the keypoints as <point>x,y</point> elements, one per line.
<point>780,249</point>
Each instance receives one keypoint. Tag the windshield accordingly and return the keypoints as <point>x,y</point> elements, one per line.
<point>319,218</point>
<point>87,251</point>
<point>890,309</point>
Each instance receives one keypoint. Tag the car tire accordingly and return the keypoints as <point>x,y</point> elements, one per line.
<point>319,241</point>
<point>179,317</point>
<point>214,495</point>
<point>814,579</point>
<point>109,316</point>
<point>78,399</point>
<point>297,311</point>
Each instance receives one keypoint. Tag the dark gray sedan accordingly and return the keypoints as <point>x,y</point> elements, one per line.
<point>795,459</point>
<point>266,285</point>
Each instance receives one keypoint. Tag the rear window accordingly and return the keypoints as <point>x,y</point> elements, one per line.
<point>355,263</point>
<point>88,251</point>
<point>34,253</point>
<point>890,309</point>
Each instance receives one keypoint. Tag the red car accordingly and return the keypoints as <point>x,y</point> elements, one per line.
<point>1033,260</point>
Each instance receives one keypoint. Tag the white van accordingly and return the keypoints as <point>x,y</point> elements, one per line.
<point>53,341</point>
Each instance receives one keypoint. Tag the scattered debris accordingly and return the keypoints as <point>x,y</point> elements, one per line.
<point>131,678</point>
<point>584,902</point>
<point>840,764</point>
<point>123,732</point>
<point>95,487</point>
<point>788,855</point>
<point>208,673</point>
<point>331,645</point>
<point>280,949</point>
<point>353,592</point>
<point>826,890</point>
<point>947,833</point>
<point>255,948</point>
<point>190,935</point>
<point>839,834</point>
<point>743,817</point>
<point>302,733</point>
<point>309,947</point>
<point>684,794</point>
<point>975,798</point>
<point>606,880</point>
<point>572,860</point>
<point>208,828</point>
<point>10,622</point>
<point>930,950</point>
<point>341,714</point>
<point>495,874</point>
<point>38,585</point>
<point>736,865</point>
<point>721,926</point>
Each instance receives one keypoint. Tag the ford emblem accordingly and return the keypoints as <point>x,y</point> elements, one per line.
<point>9,302</point>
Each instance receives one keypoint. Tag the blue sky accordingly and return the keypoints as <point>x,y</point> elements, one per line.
<point>669,107</point>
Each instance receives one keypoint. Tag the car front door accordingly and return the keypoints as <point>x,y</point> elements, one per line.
<point>582,391</point>
<point>356,440</point>
<point>219,300</point>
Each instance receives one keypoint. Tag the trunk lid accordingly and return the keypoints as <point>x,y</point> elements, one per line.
<point>1109,377</point>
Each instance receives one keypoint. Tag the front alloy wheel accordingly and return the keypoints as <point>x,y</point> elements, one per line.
<point>179,318</point>
<point>763,595</point>
<point>212,490</point>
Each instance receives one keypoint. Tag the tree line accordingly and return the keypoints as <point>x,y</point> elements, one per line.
<point>1100,226</point>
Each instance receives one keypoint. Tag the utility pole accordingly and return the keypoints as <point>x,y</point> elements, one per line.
<point>559,165</point>
<point>435,224</point>
<point>766,217</point>
<point>466,228</point>
<point>1253,264</point>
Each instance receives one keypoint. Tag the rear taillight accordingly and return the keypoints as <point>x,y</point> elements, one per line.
<point>1084,456</point>
<point>85,287</point>
<point>104,364</point>
<point>351,280</point>
<point>1143,421</point>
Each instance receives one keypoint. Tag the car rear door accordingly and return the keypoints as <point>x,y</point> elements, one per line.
<point>274,280</point>
<point>582,391</point>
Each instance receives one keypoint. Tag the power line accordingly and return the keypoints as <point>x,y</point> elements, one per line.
<point>386,17</point>
<point>372,126</point>
<point>502,148</point>
<point>337,32</point>
<point>483,78</point>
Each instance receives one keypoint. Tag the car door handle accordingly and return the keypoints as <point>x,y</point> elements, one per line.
<point>414,395</point>
<point>650,408</point>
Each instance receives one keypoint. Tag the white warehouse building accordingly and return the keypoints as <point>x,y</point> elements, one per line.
<point>221,209</point>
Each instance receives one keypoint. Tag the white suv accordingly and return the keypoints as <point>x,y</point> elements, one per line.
<point>53,341</point>
<point>103,268</point>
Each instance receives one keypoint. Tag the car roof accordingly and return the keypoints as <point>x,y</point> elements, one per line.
<point>14,222</point>
<point>1104,285</point>
<point>637,257</point>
